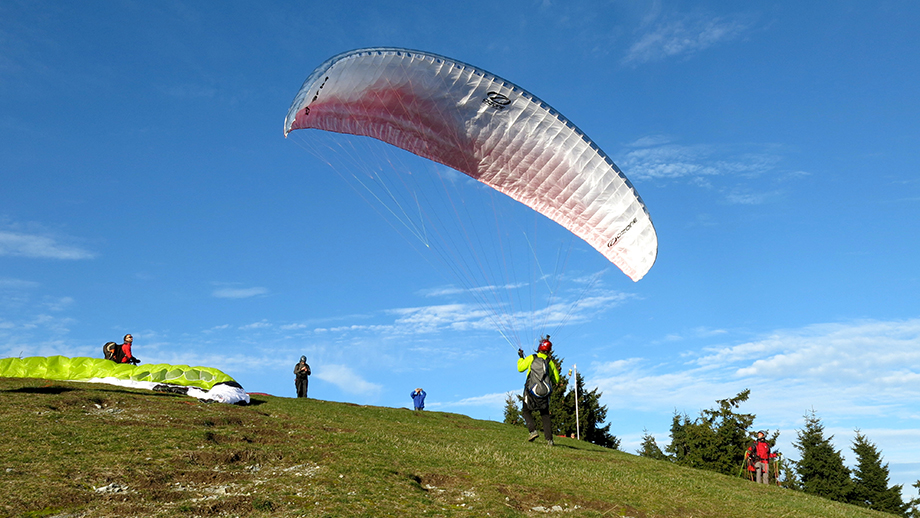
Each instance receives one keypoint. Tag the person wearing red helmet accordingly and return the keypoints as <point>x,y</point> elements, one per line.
<point>542,375</point>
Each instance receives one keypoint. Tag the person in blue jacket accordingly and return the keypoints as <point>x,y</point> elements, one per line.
<point>418,398</point>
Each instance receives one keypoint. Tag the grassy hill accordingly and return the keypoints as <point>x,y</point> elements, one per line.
<point>83,450</point>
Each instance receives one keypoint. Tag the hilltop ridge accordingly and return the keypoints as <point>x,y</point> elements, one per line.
<point>85,450</point>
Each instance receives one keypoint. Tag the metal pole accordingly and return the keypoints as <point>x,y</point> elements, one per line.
<point>577,423</point>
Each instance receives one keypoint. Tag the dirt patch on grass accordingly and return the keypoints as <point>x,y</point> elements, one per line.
<point>207,477</point>
<point>454,490</point>
<point>223,458</point>
<point>530,499</point>
<point>442,481</point>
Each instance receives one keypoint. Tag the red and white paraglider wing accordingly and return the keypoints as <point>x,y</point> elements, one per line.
<point>488,128</point>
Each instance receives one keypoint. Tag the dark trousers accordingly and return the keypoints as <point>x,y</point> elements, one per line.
<point>531,425</point>
<point>301,386</point>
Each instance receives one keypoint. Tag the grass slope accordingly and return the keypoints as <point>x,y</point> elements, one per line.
<point>83,450</point>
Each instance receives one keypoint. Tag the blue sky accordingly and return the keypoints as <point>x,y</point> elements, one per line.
<point>147,189</point>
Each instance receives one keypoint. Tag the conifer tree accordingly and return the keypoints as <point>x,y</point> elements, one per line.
<point>821,470</point>
<point>650,447</point>
<point>913,506</point>
<point>716,440</point>
<point>870,480</point>
<point>563,419</point>
<point>681,439</point>
<point>790,478</point>
<point>513,410</point>
<point>590,414</point>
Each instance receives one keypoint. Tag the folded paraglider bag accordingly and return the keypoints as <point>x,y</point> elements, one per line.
<point>108,350</point>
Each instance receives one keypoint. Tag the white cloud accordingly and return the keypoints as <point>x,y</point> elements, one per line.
<point>659,158</point>
<point>494,399</point>
<point>58,303</point>
<point>346,379</point>
<point>432,315</point>
<point>447,291</point>
<point>38,246</point>
<point>294,327</point>
<point>880,358</point>
<point>683,37</point>
<point>429,324</point>
<point>256,325</point>
<point>216,328</point>
<point>423,320</point>
<point>616,367</point>
<point>747,198</point>
<point>239,293</point>
<point>844,368</point>
<point>16,284</point>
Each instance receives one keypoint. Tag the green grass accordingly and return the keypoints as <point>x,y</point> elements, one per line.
<point>169,455</point>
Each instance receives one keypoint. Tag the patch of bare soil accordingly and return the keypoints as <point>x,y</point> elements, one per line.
<point>542,500</point>
<point>450,489</point>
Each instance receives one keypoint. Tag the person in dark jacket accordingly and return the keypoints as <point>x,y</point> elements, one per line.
<point>302,376</point>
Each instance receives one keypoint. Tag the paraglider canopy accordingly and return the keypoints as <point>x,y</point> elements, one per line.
<point>488,128</point>
<point>205,383</point>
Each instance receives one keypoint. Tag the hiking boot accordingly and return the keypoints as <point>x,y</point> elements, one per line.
<point>549,442</point>
<point>533,435</point>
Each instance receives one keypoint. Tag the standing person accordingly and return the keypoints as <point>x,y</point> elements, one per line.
<point>123,352</point>
<point>542,374</point>
<point>301,377</point>
<point>418,398</point>
<point>759,456</point>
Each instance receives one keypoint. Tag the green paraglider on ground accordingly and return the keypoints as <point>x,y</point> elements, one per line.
<point>201,382</point>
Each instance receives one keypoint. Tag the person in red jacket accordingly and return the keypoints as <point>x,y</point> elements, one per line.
<point>123,351</point>
<point>758,455</point>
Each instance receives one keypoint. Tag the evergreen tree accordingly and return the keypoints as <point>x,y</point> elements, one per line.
<point>870,480</point>
<point>790,479</point>
<point>513,410</point>
<point>681,441</point>
<point>715,441</point>
<point>650,448</point>
<point>590,414</point>
<point>563,419</point>
<point>913,506</point>
<point>821,469</point>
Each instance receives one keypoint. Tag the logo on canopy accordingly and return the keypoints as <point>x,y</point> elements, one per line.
<point>497,100</point>
<point>620,233</point>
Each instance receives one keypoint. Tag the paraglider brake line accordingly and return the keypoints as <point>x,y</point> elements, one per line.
<point>539,266</point>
